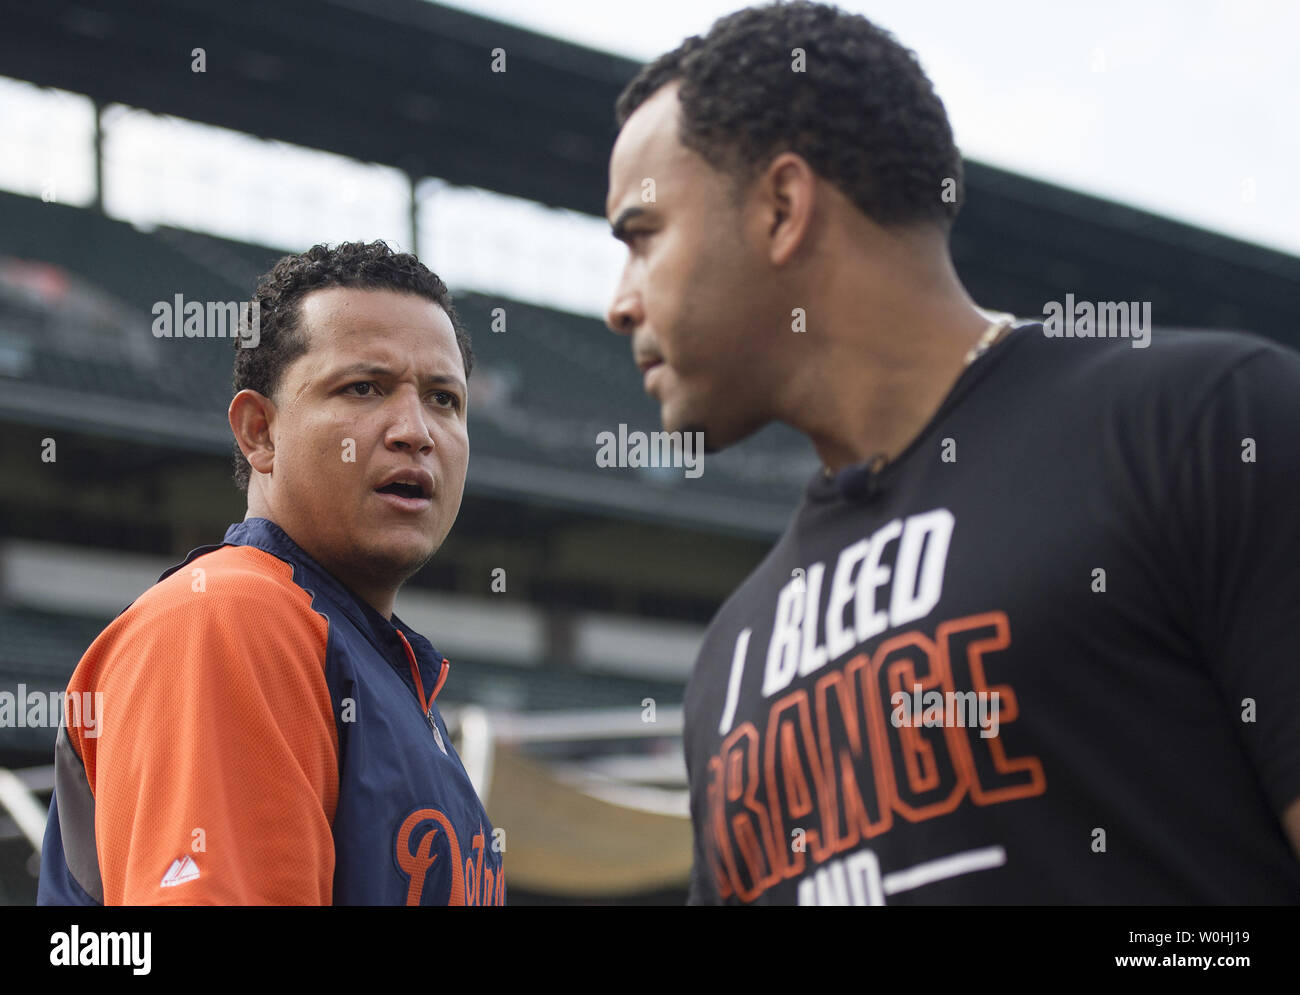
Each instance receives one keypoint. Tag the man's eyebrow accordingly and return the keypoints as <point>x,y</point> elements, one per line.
<point>617,228</point>
<point>370,369</point>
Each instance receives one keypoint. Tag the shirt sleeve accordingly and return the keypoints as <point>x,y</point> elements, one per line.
<point>214,770</point>
<point>1235,512</point>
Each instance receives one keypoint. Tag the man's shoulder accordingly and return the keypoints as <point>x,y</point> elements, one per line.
<point>228,588</point>
<point>1180,360</point>
<point>1151,396</point>
<point>226,574</point>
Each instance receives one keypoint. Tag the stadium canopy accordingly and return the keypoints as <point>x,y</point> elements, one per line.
<point>404,83</point>
<point>410,84</point>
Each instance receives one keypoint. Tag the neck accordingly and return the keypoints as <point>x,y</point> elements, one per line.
<point>379,597</point>
<point>381,600</point>
<point>887,354</point>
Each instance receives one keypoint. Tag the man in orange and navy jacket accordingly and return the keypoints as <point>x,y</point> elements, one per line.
<point>269,732</point>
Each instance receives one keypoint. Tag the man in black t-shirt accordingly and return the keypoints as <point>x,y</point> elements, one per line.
<point>1028,638</point>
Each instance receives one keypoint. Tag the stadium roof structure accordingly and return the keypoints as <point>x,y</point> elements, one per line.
<point>409,84</point>
<point>400,82</point>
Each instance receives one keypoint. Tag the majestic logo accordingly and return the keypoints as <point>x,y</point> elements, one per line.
<point>182,869</point>
<point>425,836</point>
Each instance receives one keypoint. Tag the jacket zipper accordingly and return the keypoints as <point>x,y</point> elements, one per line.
<point>426,706</point>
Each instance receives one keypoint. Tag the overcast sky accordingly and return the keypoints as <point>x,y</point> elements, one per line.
<point>1190,108</point>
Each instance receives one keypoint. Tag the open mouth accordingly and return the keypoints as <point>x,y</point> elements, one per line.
<point>404,490</point>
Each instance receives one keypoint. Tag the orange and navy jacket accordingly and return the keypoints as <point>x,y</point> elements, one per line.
<point>264,737</point>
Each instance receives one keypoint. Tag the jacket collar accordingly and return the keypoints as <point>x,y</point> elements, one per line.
<point>321,584</point>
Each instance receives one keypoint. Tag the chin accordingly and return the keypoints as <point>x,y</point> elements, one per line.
<point>402,552</point>
<point>674,419</point>
<point>721,426</point>
<point>717,433</point>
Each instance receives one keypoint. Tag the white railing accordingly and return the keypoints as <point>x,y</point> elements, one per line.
<point>478,733</point>
<point>19,799</point>
<point>630,780</point>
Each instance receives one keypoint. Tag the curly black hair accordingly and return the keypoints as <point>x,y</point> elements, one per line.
<point>862,112</point>
<point>279,293</point>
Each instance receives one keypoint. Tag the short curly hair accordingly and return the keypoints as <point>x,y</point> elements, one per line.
<point>279,294</point>
<point>862,112</point>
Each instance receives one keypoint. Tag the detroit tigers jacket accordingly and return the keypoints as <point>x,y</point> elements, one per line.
<point>265,737</point>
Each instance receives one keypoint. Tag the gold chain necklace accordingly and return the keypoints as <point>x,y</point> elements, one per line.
<point>998,327</point>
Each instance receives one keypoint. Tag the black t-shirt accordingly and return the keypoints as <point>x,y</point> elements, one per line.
<point>1104,536</point>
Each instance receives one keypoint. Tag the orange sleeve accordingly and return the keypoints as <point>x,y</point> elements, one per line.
<point>215,769</point>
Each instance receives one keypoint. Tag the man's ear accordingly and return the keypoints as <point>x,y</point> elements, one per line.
<point>787,192</point>
<point>251,416</point>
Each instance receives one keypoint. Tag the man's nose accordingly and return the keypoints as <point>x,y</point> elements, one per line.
<point>624,312</point>
<point>408,426</point>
